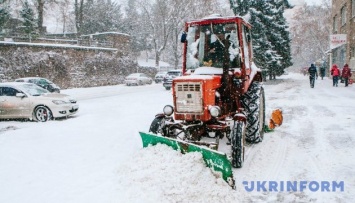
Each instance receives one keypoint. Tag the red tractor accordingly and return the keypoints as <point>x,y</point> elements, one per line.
<point>219,97</point>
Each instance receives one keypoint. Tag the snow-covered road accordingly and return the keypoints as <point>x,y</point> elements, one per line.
<point>96,156</point>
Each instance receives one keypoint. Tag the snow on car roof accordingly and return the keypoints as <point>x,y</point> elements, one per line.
<point>13,83</point>
<point>28,78</point>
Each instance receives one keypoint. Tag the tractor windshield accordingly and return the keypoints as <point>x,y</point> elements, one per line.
<point>210,45</point>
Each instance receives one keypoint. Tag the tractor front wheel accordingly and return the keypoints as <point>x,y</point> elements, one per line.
<point>158,126</point>
<point>254,105</point>
<point>237,144</point>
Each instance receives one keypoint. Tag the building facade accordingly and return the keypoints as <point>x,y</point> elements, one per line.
<point>343,16</point>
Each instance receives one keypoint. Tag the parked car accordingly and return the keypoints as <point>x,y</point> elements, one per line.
<point>159,77</point>
<point>42,82</point>
<point>27,100</point>
<point>138,79</point>
<point>168,79</point>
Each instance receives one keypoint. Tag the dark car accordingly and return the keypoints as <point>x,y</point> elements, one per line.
<point>42,82</point>
<point>159,77</point>
<point>168,79</point>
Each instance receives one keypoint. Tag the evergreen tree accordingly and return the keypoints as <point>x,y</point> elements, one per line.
<point>265,57</point>
<point>270,33</point>
<point>101,16</point>
<point>4,16</point>
<point>280,36</point>
<point>135,26</point>
<point>29,21</point>
<point>240,7</point>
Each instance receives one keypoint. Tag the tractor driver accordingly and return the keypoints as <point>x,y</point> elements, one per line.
<point>217,50</point>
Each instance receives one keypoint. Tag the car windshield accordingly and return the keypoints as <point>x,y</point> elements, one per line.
<point>174,73</point>
<point>44,82</point>
<point>33,90</point>
<point>207,45</point>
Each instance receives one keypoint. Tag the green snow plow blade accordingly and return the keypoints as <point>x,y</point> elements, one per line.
<point>215,160</point>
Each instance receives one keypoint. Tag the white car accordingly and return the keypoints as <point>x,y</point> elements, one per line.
<point>29,101</point>
<point>138,79</point>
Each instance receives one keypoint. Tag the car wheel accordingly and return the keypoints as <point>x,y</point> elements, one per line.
<point>140,82</point>
<point>57,91</point>
<point>42,114</point>
<point>167,88</point>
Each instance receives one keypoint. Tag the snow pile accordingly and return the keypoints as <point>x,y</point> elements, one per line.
<point>159,172</point>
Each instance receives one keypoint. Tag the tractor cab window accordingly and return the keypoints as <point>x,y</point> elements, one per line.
<point>247,46</point>
<point>211,45</point>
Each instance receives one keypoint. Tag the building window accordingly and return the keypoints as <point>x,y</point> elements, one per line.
<point>353,8</point>
<point>352,52</point>
<point>335,24</point>
<point>343,15</point>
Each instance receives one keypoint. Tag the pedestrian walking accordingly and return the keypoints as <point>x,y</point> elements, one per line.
<point>322,72</point>
<point>335,72</point>
<point>313,75</point>
<point>346,74</point>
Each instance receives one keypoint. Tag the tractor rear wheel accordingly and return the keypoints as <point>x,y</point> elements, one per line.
<point>254,105</point>
<point>237,144</point>
<point>158,126</point>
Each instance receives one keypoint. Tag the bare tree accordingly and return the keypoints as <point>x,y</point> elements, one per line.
<point>158,16</point>
<point>310,33</point>
<point>166,20</point>
<point>79,9</point>
<point>40,11</point>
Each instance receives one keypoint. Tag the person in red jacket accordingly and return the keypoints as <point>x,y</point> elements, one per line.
<point>335,72</point>
<point>346,74</point>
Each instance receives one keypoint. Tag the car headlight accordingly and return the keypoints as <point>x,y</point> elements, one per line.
<point>168,110</point>
<point>58,102</point>
<point>215,111</point>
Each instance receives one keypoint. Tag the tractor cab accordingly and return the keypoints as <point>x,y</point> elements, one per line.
<point>214,43</point>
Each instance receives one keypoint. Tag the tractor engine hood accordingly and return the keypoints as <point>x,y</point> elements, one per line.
<point>193,95</point>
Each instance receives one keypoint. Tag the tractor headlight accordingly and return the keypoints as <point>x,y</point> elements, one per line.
<point>215,111</point>
<point>168,110</point>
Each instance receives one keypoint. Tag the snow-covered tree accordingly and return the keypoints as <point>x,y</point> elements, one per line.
<point>157,16</point>
<point>40,11</point>
<point>4,16</point>
<point>310,33</point>
<point>165,20</point>
<point>270,33</point>
<point>101,16</point>
<point>65,7</point>
<point>79,12</point>
<point>134,25</point>
<point>29,20</point>
<point>279,35</point>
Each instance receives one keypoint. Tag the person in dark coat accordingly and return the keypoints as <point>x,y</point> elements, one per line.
<point>335,72</point>
<point>312,74</point>
<point>346,74</point>
<point>322,72</point>
<point>218,49</point>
